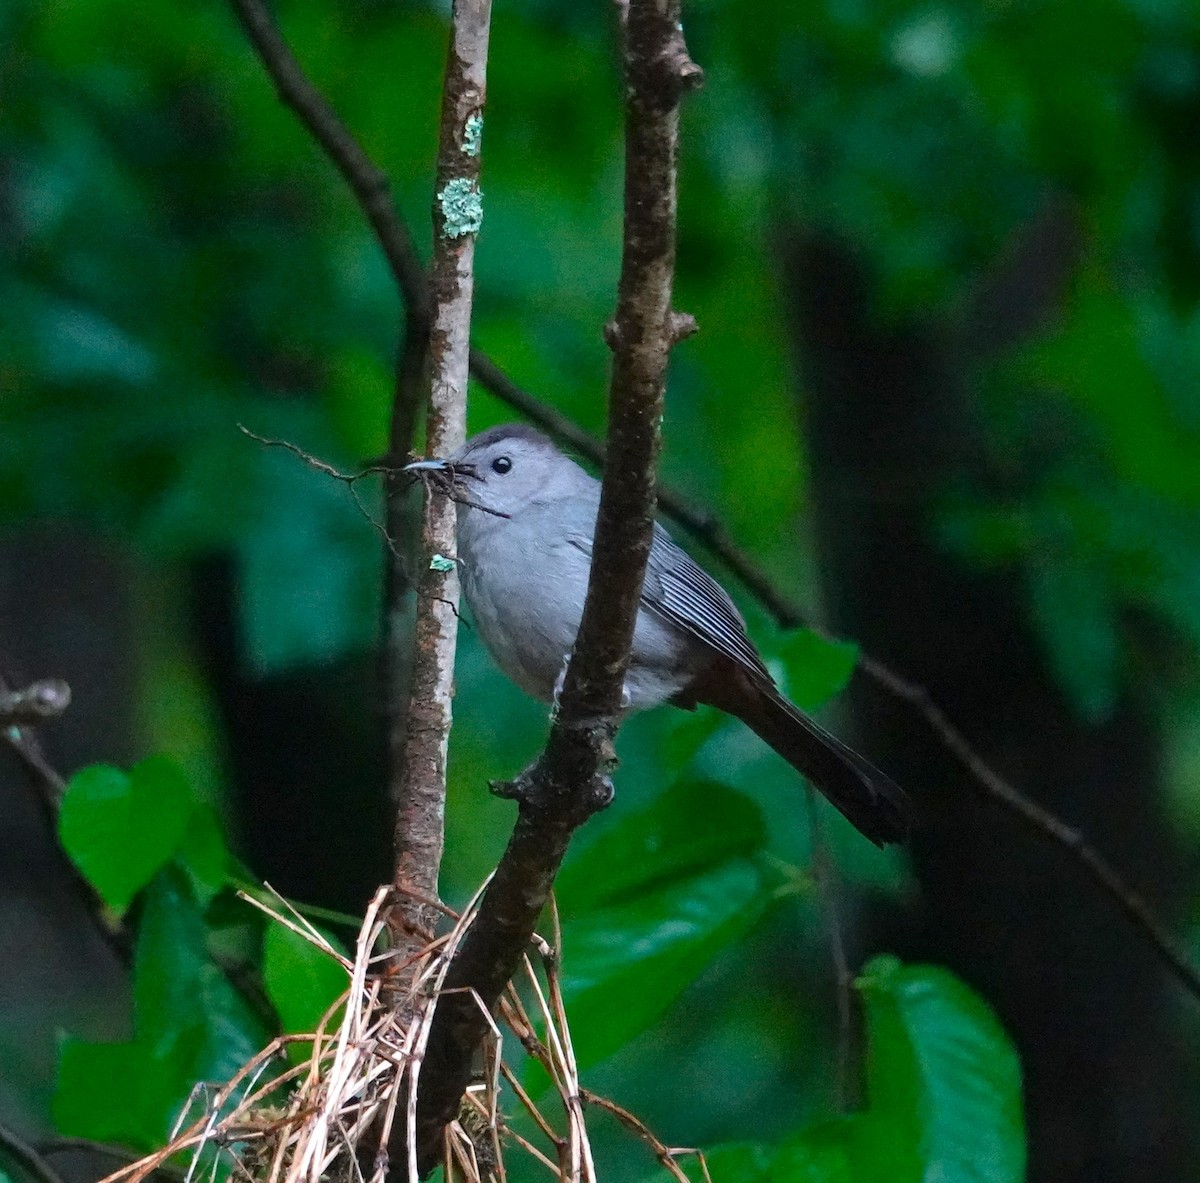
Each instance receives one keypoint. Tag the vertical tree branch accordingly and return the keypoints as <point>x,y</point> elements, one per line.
<point>457,212</point>
<point>371,188</point>
<point>569,782</point>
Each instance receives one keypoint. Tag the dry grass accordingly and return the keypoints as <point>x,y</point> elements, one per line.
<point>325,1118</point>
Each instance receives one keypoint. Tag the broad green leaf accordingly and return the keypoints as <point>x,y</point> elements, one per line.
<point>176,984</point>
<point>203,854</point>
<point>120,828</point>
<point>943,1082</point>
<point>113,1092</point>
<point>820,1154</point>
<point>693,826</point>
<point>190,1026</point>
<point>624,965</point>
<point>944,1097</point>
<point>814,667</point>
<point>302,981</point>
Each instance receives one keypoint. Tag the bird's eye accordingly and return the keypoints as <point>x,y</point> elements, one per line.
<point>501,465</point>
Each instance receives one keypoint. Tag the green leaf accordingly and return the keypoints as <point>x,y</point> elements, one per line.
<point>203,854</point>
<point>302,981</point>
<point>624,965</point>
<point>943,1082</point>
<point>113,1092</point>
<point>943,1103</point>
<point>693,826</point>
<point>120,828</point>
<point>190,1026</point>
<point>820,1154</point>
<point>815,668</point>
<point>176,985</point>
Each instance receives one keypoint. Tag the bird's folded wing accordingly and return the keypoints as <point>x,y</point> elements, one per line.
<point>682,592</point>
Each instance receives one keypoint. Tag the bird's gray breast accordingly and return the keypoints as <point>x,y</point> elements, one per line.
<point>525,579</point>
<point>524,584</point>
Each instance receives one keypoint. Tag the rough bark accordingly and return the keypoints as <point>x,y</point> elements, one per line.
<point>569,782</point>
<point>457,212</point>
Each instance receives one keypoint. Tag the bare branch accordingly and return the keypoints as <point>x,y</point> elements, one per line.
<point>30,1159</point>
<point>370,186</point>
<point>569,782</point>
<point>36,703</point>
<point>421,750</point>
<point>20,710</point>
<point>1169,949</point>
<point>368,182</point>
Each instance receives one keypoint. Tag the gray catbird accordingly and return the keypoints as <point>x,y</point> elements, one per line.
<point>525,520</point>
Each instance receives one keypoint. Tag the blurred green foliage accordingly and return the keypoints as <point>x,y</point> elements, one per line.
<point>178,258</point>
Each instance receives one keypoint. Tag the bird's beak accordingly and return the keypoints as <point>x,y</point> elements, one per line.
<point>427,466</point>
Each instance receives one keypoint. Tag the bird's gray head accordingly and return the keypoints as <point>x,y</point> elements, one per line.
<point>507,468</point>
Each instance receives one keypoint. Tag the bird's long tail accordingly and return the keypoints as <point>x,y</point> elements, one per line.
<point>870,799</point>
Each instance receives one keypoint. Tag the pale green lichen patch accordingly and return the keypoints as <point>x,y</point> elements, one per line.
<point>462,207</point>
<point>473,135</point>
<point>441,563</point>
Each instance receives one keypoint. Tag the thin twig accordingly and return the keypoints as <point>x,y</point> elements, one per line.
<point>50,787</point>
<point>1171,952</point>
<point>824,876</point>
<point>372,190</point>
<point>368,182</point>
<point>28,1156</point>
<point>36,703</point>
<point>349,479</point>
<point>665,1154</point>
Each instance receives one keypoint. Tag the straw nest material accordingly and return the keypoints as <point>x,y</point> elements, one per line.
<point>319,1107</point>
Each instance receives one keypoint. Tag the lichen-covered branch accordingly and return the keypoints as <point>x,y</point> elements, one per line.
<point>570,780</point>
<point>457,212</point>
